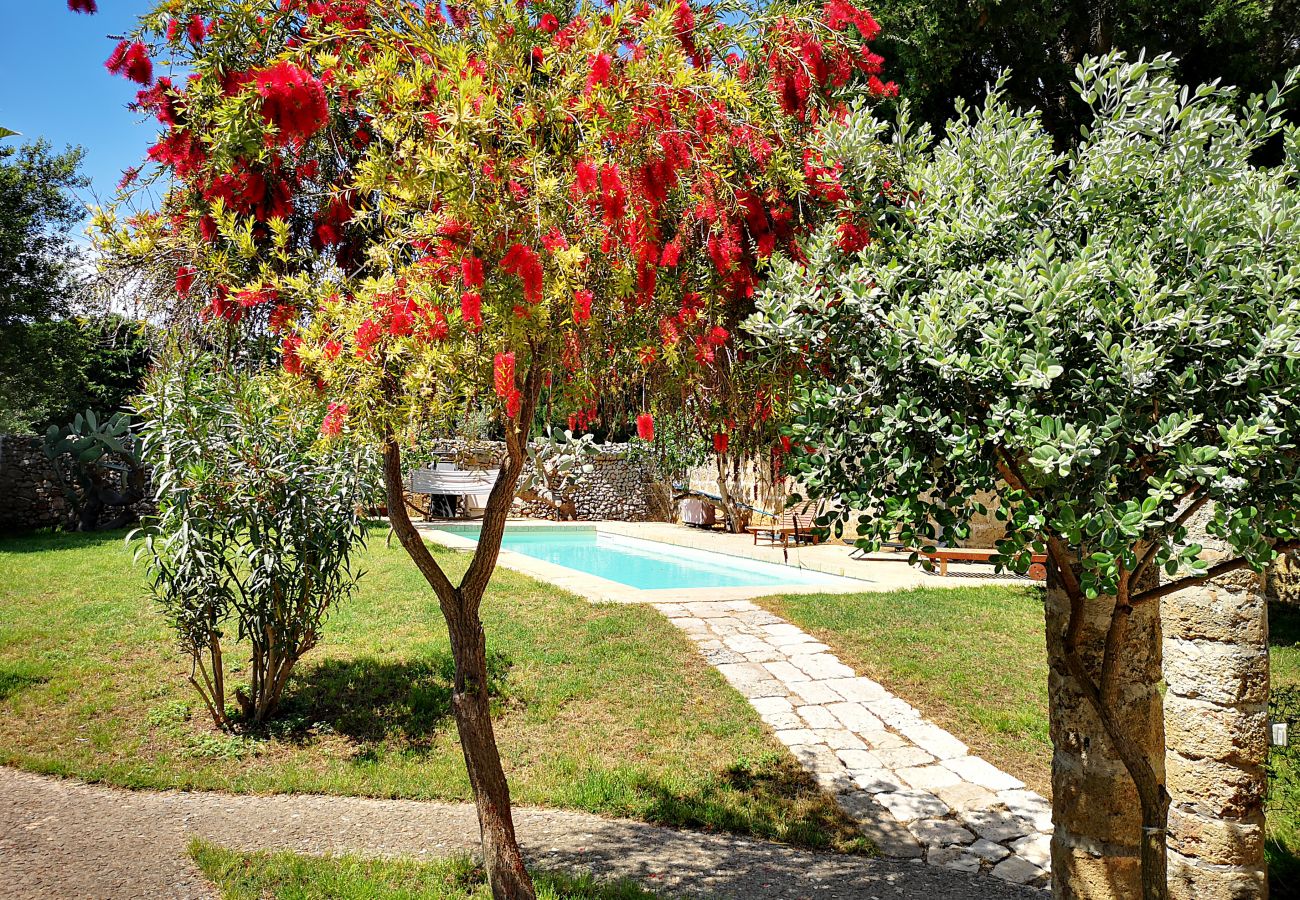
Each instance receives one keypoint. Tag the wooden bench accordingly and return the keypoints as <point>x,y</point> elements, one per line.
<point>945,555</point>
<point>795,523</point>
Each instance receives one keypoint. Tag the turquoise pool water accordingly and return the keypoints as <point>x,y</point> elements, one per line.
<point>648,565</point>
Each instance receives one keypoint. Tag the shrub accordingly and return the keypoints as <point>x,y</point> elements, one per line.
<point>255,528</point>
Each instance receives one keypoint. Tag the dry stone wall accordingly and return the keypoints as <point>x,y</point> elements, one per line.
<point>621,487</point>
<point>30,496</point>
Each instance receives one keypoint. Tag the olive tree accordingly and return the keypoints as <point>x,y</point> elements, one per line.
<point>1107,342</point>
<point>255,529</point>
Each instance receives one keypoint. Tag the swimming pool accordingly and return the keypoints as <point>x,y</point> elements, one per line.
<point>648,565</point>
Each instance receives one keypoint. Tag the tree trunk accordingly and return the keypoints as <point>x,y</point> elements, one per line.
<point>1107,831</point>
<point>731,511</point>
<point>1216,705</point>
<point>471,705</point>
<point>502,858</point>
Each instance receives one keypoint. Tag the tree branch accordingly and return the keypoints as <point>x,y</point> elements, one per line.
<point>406,532</point>
<point>1223,568</point>
<point>1188,511</point>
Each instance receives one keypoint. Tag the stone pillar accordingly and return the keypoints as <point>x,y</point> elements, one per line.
<point>1095,808</point>
<point>1216,713</point>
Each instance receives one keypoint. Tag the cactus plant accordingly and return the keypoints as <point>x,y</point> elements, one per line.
<point>98,467</point>
<point>559,462</point>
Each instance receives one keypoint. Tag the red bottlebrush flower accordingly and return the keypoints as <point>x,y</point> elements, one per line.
<point>584,176</point>
<point>185,276</point>
<point>601,65</point>
<point>853,237</point>
<point>548,24</point>
<point>503,381</point>
<point>536,56</point>
<point>877,88</point>
<point>222,308</point>
<point>786,444</point>
<point>524,262</point>
<point>368,334</point>
<point>256,297</point>
<point>720,442</point>
<point>672,253</point>
<point>582,305</point>
<point>718,336</point>
<point>503,374</point>
<point>196,31</point>
<point>613,196</point>
<point>161,101</point>
<point>208,228</point>
<point>435,325</point>
<point>332,349</point>
<point>645,427</point>
<point>400,317</point>
<point>841,13</point>
<point>289,354</point>
<point>281,317</point>
<point>332,426</point>
<point>471,270</point>
<point>471,309</point>
<point>83,6</point>
<point>293,101</point>
<point>131,60</point>
<point>554,241</point>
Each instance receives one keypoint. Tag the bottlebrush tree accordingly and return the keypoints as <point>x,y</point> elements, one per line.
<point>430,207</point>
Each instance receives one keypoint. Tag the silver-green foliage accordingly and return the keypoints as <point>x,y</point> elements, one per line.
<point>257,521</point>
<point>1115,329</point>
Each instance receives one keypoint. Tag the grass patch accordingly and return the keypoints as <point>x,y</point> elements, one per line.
<point>972,659</point>
<point>604,708</point>
<point>290,876</point>
<point>1283,842</point>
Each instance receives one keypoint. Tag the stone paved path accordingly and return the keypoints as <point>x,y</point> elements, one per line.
<point>913,787</point>
<point>65,839</point>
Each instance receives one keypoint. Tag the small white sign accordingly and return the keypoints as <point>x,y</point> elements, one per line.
<point>1279,734</point>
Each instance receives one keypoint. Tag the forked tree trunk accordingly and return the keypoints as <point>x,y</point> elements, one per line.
<point>1109,836</point>
<point>502,859</point>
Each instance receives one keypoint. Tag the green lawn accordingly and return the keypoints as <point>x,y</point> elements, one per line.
<point>972,659</point>
<point>289,876</point>
<point>606,708</point>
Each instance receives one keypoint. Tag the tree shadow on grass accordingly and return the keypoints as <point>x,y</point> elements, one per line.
<point>14,680</point>
<point>1283,625</point>
<point>370,701</point>
<point>45,540</point>
<point>771,797</point>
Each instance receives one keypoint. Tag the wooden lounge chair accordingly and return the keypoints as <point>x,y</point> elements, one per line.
<point>945,555</point>
<point>796,523</point>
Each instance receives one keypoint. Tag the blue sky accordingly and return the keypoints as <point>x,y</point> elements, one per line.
<point>53,83</point>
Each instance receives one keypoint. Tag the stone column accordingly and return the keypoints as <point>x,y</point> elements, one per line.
<point>1216,714</point>
<point>1095,808</point>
